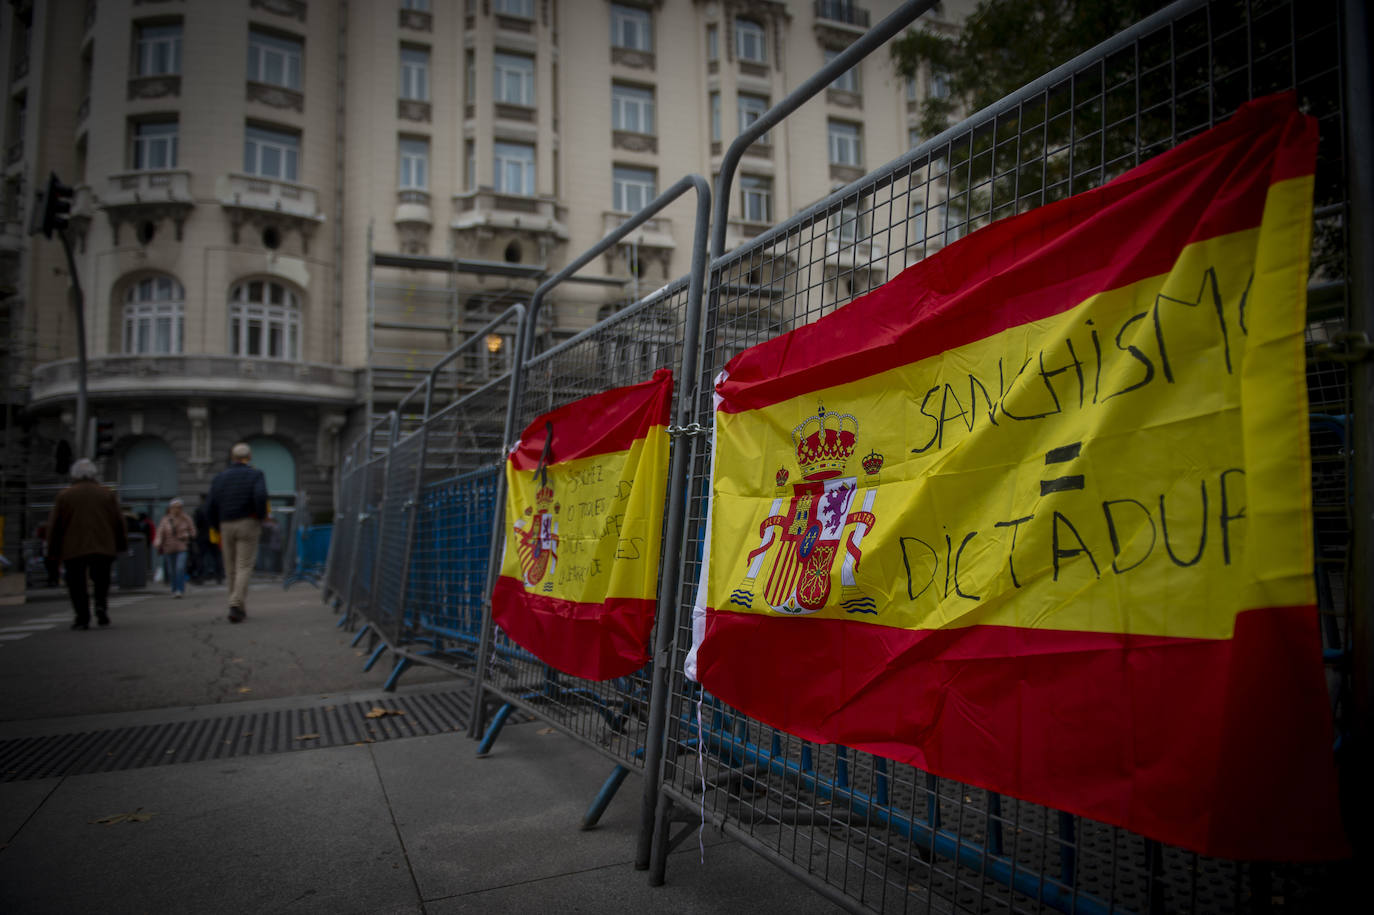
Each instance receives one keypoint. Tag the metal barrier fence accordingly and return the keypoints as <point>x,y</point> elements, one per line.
<point>872,834</point>
<point>621,718</point>
<point>419,529</point>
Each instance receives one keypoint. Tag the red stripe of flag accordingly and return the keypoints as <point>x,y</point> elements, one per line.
<point>600,424</point>
<point>1043,262</point>
<point>592,641</point>
<point>987,705</point>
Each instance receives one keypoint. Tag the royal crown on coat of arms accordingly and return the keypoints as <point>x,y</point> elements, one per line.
<point>825,441</point>
<point>781,477</point>
<point>544,497</point>
<point>873,462</point>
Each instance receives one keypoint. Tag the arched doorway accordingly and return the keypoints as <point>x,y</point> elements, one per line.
<point>276,463</point>
<point>279,467</point>
<point>148,476</point>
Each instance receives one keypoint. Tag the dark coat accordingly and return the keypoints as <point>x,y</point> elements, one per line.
<point>238,491</point>
<point>85,521</point>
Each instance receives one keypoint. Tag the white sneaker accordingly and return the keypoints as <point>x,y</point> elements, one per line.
<point>176,594</point>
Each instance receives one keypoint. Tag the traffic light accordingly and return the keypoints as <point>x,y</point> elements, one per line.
<point>104,438</point>
<point>57,206</point>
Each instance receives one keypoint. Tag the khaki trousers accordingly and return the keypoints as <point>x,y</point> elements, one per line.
<point>238,539</point>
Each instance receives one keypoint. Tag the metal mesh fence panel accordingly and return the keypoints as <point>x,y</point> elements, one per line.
<point>625,348</point>
<point>394,530</point>
<point>887,837</point>
<point>460,476</point>
<point>344,535</point>
<point>370,518</point>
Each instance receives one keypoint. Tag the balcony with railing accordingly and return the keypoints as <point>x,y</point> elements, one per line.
<point>147,196</point>
<point>486,208</point>
<point>843,12</point>
<point>269,203</point>
<point>208,376</point>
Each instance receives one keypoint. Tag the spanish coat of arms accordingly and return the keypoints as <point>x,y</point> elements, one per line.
<point>806,540</point>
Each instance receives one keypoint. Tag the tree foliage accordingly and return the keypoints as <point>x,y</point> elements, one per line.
<point>1005,44</point>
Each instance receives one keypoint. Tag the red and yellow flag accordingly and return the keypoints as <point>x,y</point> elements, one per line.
<point>584,516</point>
<point>1036,514</point>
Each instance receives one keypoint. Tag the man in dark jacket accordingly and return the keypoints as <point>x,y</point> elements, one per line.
<point>86,531</point>
<point>238,503</point>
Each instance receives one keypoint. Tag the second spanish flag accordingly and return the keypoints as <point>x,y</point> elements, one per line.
<point>584,518</point>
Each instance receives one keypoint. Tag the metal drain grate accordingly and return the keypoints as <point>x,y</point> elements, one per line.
<point>227,736</point>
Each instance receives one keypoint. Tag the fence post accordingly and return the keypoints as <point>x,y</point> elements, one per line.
<point>1359,139</point>
<point>523,349</point>
<point>875,37</point>
<point>684,455</point>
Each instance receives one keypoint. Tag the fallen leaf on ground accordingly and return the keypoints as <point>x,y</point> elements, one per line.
<point>360,743</point>
<point>138,816</point>
<point>245,689</point>
<point>237,660</point>
<point>308,737</point>
<point>546,731</point>
<point>379,712</point>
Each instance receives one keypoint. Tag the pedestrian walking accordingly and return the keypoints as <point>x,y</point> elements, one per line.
<point>237,505</point>
<point>86,531</point>
<point>172,540</point>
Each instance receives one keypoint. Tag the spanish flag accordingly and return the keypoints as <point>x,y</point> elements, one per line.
<point>584,517</point>
<point>1036,514</point>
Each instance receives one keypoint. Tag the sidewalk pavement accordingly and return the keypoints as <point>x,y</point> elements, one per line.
<point>406,824</point>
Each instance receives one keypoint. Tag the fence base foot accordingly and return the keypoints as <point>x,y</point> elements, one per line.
<point>375,655</point>
<point>604,796</point>
<point>498,721</point>
<point>396,672</point>
<point>361,632</point>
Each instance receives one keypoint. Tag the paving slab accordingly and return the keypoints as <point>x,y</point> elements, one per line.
<point>299,831</point>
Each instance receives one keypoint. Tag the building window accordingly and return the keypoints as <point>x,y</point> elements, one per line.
<point>845,226</point>
<point>913,137</point>
<point>712,43</point>
<point>155,145</point>
<point>415,74</point>
<point>515,169</point>
<point>469,165</point>
<point>414,164</point>
<point>918,221</point>
<point>631,28</point>
<point>158,51</point>
<point>522,8</point>
<point>632,109</point>
<point>514,79</point>
<point>756,198</point>
<point>848,81</point>
<point>470,77</point>
<point>633,188</point>
<point>420,6</point>
<point>751,108</point>
<point>911,88</point>
<point>154,316</point>
<point>939,85</point>
<point>264,320</point>
<point>274,60</point>
<point>271,153</point>
<point>844,143</point>
<point>715,117</point>
<point>749,43</point>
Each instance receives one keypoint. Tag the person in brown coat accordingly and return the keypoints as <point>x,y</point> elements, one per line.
<point>86,531</point>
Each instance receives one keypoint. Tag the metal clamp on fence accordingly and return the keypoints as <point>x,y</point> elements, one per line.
<point>689,430</point>
<point>1349,346</point>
